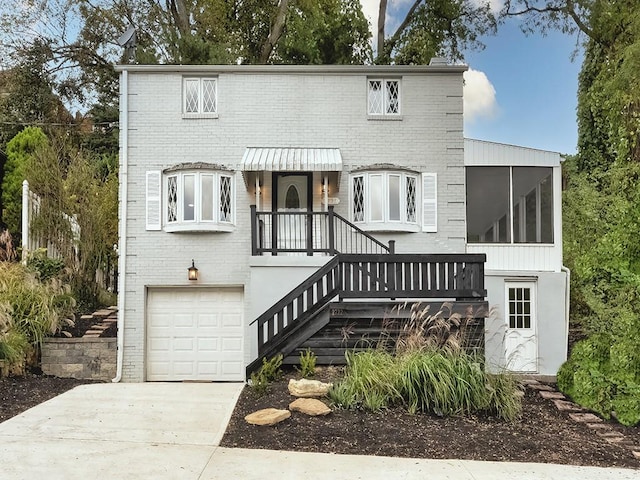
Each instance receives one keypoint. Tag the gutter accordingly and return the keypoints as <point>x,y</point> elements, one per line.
<point>122,247</point>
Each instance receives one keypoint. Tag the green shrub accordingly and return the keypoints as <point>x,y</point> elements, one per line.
<point>307,363</point>
<point>441,381</point>
<point>44,266</point>
<point>603,375</point>
<point>268,372</point>
<point>30,310</point>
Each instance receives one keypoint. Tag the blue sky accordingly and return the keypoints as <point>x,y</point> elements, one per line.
<point>522,89</point>
<point>535,84</point>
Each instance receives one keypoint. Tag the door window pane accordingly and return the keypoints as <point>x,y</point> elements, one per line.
<point>292,199</point>
<point>520,307</point>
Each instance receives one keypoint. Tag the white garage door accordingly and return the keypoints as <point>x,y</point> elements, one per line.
<point>195,334</point>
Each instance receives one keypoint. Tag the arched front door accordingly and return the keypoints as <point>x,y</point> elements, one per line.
<point>292,194</point>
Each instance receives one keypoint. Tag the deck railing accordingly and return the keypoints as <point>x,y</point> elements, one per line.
<point>310,233</point>
<point>391,276</point>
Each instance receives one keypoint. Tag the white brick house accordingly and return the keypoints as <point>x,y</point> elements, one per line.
<point>338,161</point>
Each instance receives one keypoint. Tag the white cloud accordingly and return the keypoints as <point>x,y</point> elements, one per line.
<point>479,96</point>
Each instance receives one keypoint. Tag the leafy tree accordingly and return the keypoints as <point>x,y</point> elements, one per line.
<point>28,97</point>
<point>70,181</point>
<point>434,28</point>
<point>602,202</point>
<point>19,152</point>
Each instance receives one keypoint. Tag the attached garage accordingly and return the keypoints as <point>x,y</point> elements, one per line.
<point>195,334</point>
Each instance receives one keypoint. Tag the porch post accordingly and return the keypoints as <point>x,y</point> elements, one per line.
<point>309,234</point>
<point>392,247</point>
<point>331,226</point>
<point>274,233</point>
<point>254,231</point>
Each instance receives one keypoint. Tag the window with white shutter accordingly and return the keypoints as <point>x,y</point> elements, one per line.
<point>430,202</point>
<point>154,200</point>
<point>192,200</point>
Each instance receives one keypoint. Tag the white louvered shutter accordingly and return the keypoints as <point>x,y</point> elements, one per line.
<point>430,202</point>
<point>154,200</point>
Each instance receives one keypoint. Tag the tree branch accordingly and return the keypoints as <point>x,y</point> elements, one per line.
<point>567,9</point>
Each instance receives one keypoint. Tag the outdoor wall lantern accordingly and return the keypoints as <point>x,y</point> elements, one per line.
<point>193,271</point>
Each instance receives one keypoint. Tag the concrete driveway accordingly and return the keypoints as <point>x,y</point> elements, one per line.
<point>172,431</point>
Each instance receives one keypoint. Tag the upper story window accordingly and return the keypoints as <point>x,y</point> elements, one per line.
<point>193,200</point>
<point>509,204</point>
<point>383,97</point>
<point>389,200</point>
<point>199,96</point>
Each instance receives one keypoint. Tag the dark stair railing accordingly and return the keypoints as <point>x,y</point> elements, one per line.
<point>299,314</point>
<point>289,316</point>
<point>310,233</point>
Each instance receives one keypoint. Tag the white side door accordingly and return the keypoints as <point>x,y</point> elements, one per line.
<point>521,339</point>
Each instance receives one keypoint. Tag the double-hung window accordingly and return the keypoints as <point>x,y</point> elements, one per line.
<point>193,200</point>
<point>383,97</point>
<point>199,96</point>
<point>386,200</point>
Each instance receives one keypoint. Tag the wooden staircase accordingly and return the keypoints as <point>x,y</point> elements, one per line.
<point>304,316</point>
<point>357,326</point>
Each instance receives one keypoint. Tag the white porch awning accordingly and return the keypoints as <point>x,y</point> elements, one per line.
<point>292,160</point>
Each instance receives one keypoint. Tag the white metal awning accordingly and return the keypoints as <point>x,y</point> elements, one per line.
<point>292,160</point>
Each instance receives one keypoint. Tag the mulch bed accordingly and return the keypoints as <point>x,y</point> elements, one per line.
<point>18,394</point>
<point>542,435</point>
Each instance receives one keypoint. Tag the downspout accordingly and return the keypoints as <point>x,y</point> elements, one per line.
<point>122,248</point>
<point>567,301</point>
<point>26,224</point>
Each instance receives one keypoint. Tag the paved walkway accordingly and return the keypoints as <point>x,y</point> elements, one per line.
<point>171,431</point>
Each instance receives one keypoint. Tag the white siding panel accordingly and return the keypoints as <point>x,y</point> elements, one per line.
<point>480,152</point>
<point>529,257</point>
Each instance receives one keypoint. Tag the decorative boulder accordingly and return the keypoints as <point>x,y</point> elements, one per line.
<point>309,406</point>
<point>308,388</point>
<point>267,416</point>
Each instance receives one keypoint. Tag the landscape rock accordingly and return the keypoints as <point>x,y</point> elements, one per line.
<point>565,406</point>
<point>309,406</point>
<point>267,416</point>
<point>308,388</point>
<point>551,395</point>
<point>585,417</point>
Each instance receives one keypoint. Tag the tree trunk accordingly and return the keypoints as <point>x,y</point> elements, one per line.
<point>276,32</point>
<point>178,9</point>
<point>382,16</point>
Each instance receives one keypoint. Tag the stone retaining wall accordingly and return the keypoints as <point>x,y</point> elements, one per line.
<point>83,358</point>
